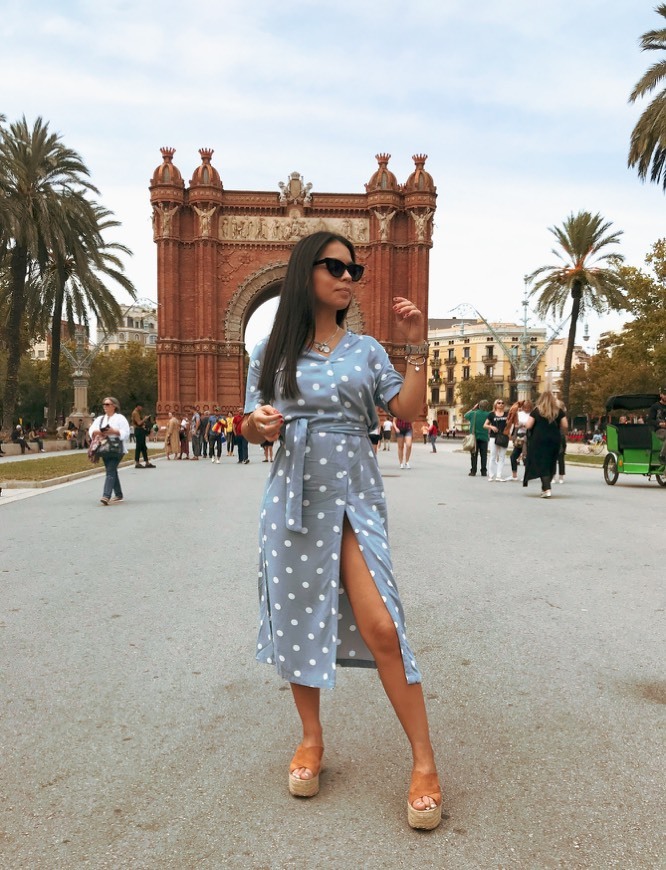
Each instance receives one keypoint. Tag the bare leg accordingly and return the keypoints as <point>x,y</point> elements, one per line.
<point>378,631</point>
<point>401,445</point>
<point>408,447</point>
<point>306,699</point>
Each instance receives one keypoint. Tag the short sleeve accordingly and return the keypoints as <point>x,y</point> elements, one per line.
<point>253,398</point>
<point>388,382</point>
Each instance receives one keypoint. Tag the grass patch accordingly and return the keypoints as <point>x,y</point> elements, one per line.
<point>49,467</point>
<point>584,459</point>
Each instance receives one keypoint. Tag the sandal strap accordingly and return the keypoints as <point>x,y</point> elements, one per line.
<point>425,784</point>
<point>307,756</point>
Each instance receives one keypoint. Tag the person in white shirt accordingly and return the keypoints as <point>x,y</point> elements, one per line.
<point>111,424</point>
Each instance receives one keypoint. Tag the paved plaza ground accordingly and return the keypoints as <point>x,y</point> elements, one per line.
<point>137,731</point>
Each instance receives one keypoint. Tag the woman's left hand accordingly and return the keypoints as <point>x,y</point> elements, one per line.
<point>409,320</point>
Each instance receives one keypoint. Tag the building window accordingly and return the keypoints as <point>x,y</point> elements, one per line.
<point>435,374</point>
<point>449,395</point>
<point>435,354</point>
<point>434,399</point>
<point>121,336</point>
<point>466,353</point>
<point>465,373</point>
<point>489,351</point>
<point>452,353</point>
<point>489,371</point>
<point>449,375</point>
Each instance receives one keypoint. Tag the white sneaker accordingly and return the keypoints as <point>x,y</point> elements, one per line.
<point>546,493</point>
<point>402,465</point>
<point>491,479</point>
<point>561,480</point>
<point>218,461</point>
<point>407,465</point>
<point>213,459</point>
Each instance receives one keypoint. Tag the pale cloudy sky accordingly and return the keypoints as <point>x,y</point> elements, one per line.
<point>521,106</point>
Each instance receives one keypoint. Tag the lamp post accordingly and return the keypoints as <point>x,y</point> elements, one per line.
<point>81,360</point>
<point>524,363</point>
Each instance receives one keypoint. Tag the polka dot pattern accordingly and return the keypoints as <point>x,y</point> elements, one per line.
<point>306,626</point>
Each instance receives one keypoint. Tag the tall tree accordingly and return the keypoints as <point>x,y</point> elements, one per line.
<point>74,282</point>
<point>647,148</point>
<point>585,275</point>
<point>36,171</point>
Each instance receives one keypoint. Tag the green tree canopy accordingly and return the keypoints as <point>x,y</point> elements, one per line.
<point>475,389</point>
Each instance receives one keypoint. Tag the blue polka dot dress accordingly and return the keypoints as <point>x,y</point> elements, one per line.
<point>325,468</point>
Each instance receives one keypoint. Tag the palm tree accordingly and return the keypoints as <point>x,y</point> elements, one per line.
<point>593,287</point>
<point>74,282</point>
<point>648,138</point>
<point>36,171</point>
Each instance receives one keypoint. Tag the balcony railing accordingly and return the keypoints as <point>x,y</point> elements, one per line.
<point>434,381</point>
<point>489,359</point>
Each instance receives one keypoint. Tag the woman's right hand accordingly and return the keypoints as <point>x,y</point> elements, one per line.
<point>268,422</point>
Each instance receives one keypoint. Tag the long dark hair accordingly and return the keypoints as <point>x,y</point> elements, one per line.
<point>294,325</point>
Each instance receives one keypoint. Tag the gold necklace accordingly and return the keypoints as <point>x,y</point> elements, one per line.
<point>323,346</point>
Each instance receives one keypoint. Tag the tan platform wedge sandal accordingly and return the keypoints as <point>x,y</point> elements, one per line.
<point>310,757</point>
<point>424,784</point>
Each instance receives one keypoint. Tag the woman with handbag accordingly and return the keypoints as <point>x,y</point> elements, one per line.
<point>109,434</point>
<point>519,414</point>
<point>498,440</point>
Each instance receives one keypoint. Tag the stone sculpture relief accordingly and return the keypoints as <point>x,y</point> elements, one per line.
<point>234,228</point>
<point>384,219</point>
<point>204,219</point>
<point>421,222</point>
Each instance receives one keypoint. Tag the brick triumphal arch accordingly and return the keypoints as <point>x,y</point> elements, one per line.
<point>222,253</point>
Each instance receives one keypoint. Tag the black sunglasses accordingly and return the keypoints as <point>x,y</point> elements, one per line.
<point>337,268</point>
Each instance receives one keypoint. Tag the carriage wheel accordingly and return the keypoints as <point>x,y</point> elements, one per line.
<point>611,472</point>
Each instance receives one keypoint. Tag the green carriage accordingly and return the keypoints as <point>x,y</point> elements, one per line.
<point>633,448</point>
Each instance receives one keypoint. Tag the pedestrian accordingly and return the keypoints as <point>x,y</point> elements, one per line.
<point>546,424</point>
<point>516,430</point>
<point>111,424</point>
<point>495,424</point>
<point>203,431</point>
<point>387,430</point>
<point>230,433</point>
<point>323,517</point>
<point>195,425</point>
<point>217,425</point>
<point>183,439</point>
<point>141,424</point>
<point>476,417</point>
<point>433,432</point>
<point>424,431</point>
<point>172,437</point>
<point>240,439</point>
<point>375,436</point>
<point>404,436</point>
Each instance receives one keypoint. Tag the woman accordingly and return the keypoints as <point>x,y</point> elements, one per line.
<point>496,423</point>
<point>111,423</point>
<point>404,435</point>
<point>172,438</point>
<point>424,432</point>
<point>546,425</point>
<point>316,386</point>
<point>183,439</point>
<point>433,432</point>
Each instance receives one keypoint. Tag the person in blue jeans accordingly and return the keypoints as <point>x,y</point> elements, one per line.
<point>111,422</point>
<point>241,440</point>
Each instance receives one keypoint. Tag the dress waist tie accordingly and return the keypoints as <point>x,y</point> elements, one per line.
<point>296,434</point>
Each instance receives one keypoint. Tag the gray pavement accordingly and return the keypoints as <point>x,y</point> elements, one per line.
<point>137,731</point>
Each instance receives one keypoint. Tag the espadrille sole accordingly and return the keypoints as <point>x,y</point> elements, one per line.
<point>424,820</point>
<point>303,787</point>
